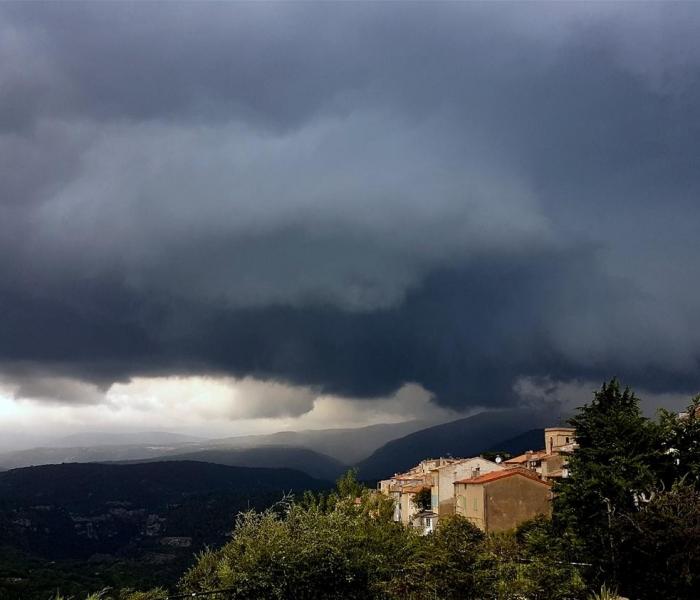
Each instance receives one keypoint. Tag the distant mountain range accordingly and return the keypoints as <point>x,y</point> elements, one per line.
<point>529,440</point>
<point>464,437</point>
<point>348,445</point>
<point>50,456</point>
<point>312,463</point>
<point>140,438</point>
<point>377,450</point>
<point>321,453</point>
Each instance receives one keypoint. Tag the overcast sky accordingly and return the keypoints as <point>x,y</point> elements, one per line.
<point>251,216</point>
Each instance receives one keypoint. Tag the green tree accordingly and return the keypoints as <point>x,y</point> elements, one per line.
<point>454,550</point>
<point>551,570</point>
<point>531,562</point>
<point>681,444</point>
<point>154,594</point>
<point>349,550</point>
<point>499,573</point>
<point>348,486</point>
<point>441,565</point>
<point>616,463</point>
<point>660,555</point>
<point>422,500</point>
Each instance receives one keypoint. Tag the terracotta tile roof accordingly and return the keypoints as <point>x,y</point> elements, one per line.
<point>524,457</point>
<point>495,475</point>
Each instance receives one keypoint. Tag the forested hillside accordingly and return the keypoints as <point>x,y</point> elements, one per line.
<point>89,526</point>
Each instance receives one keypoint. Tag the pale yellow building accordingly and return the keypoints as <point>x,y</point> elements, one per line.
<point>552,462</point>
<point>559,439</point>
<point>403,487</point>
<point>493,496</point>
<point>501,500</point>
<point>444,477</point>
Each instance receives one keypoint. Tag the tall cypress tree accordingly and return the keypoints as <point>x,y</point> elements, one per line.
<point>613,466</point>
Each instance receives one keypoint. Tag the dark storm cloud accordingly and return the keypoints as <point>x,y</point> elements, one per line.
<point>351,197</point>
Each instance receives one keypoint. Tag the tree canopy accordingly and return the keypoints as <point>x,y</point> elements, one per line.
<point>630,505</point>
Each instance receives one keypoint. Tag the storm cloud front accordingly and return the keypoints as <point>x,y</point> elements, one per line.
<point>349,198</point>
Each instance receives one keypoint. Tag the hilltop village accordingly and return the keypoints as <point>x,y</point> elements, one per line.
<point>495,495</point>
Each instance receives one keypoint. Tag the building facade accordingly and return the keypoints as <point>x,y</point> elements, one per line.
<point>403,487</point>
<point>501,500</point>
<point>552,462</point>
<point>494,497</point>
<point>444,477</point>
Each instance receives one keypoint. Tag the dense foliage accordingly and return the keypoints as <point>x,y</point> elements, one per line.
<point>631,505</point>
<point>347,546</point>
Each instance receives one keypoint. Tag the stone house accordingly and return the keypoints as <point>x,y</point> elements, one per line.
<point>426,521</point>
<point>444,477</point>
<point>403,487</point>
<point>502,499</point>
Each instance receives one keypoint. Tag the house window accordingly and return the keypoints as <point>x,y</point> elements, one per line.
<point>462,503</point>
<point>475,503</point>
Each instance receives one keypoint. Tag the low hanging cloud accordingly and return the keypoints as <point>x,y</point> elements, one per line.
<point>42,388</point>
<point>212,398</point>
<point>206,406</point>
<point>348,199</point>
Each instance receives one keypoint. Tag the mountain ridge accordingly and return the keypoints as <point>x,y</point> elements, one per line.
<point>136,438</point>
<point>308,461</point>
<point>346,444</point>
<point>463,437</point>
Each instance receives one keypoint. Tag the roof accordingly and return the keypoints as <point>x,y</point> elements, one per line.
<point>413,489</point>
<point>562,428</point>
<point>463,461</point>
<point>425,513</point>
<point>517,459</point>
<point>526,457</point>
<point>496,475</point>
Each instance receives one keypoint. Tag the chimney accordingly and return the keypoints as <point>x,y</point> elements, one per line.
<point>476,472</point>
